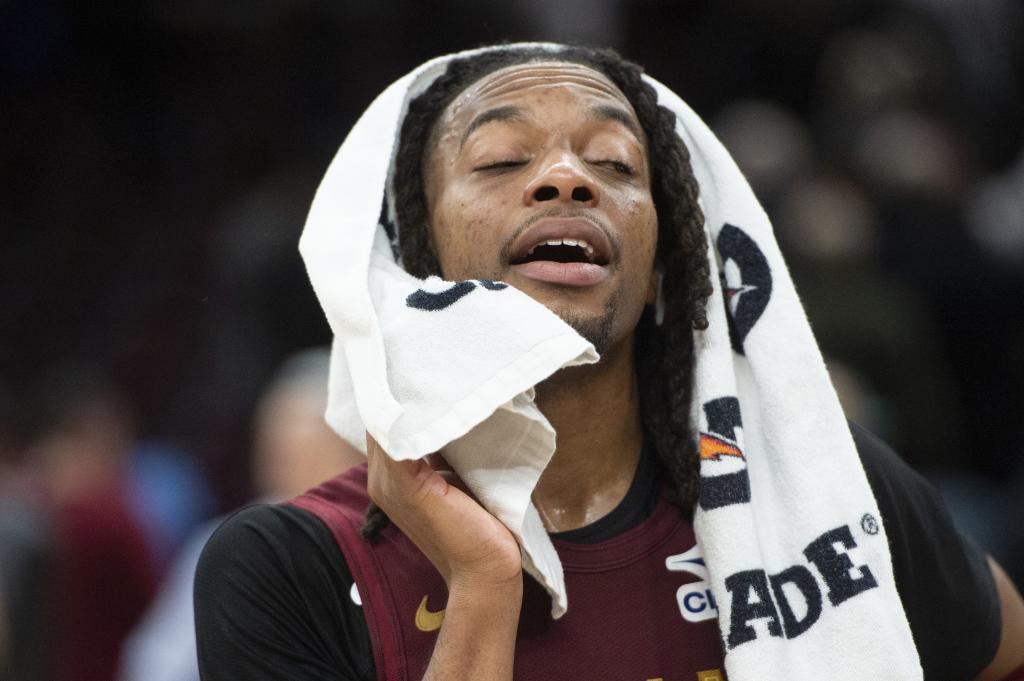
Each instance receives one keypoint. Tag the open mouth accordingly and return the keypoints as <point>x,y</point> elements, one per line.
<point>568,251</point>
<point>562,250</point>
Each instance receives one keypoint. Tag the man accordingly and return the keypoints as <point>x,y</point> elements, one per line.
<point>558,173</point>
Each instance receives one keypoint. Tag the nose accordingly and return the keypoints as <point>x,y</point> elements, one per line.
<point>562,179</point>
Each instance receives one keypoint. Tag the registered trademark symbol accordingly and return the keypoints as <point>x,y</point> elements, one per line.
<point>869,524</point>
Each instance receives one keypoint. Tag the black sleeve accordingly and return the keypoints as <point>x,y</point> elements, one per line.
<point>943,579</point>
<point>273,602</point>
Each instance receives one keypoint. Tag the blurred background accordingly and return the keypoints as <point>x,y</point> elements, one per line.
<point>158,161</point>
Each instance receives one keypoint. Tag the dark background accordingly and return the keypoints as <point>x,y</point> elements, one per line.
<point>159,157</point>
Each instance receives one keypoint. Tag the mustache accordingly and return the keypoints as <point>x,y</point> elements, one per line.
<point>506,248</point>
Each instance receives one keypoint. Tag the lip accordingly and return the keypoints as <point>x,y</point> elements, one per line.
<point>562,228</point>
<point>563,273</point>
<point>578,274</point>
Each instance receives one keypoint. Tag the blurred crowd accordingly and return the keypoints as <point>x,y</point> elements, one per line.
<point>101,530</point>
<point>160,156</point>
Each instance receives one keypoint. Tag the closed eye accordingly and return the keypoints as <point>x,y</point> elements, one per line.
<point>617,166</point>
<point>501,165</point>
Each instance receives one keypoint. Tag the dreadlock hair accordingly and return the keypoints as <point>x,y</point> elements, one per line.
<point>664,352</point>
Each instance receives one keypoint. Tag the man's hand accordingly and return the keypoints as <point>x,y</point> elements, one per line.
<point>477,556</point>
<point>427,502</point>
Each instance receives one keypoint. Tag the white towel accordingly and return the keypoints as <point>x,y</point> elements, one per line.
<point>795,550</point>
<point>433,364</point>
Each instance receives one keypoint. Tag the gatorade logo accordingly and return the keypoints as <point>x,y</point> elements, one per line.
<point>723,467</point>
<point>790,602</point>
<point>746,282</point>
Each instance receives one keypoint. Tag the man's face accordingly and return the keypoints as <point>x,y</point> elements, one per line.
<point>539,176</point>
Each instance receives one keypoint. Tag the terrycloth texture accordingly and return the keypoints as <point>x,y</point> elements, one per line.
<point>795,553</point>
<point>790,531</point>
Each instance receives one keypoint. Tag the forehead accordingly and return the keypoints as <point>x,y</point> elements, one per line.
<point>533,85</point>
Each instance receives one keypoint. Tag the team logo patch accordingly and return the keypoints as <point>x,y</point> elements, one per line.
<point>723,467</point>
<point>696,604</point>
<point>746,282</point>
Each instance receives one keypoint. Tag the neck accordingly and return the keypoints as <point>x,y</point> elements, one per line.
<point>595,411</point>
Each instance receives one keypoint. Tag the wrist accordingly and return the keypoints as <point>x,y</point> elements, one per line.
<point>488,597</point>
<point>477,639</point>
<point>475,586</point>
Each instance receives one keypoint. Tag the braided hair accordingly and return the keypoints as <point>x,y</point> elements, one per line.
<point>664,352</point>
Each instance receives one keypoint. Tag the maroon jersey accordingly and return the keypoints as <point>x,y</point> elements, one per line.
<point>638,606</point>
<point>273,591</point>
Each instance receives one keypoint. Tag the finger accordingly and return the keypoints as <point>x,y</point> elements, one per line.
<point>445,470</point>
<point>454,480</point>
<point>398,482</point>
<point>438,462</point>
<point>381,461</point>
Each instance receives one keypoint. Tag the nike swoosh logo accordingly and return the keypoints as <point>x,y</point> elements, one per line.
<point>428,621</point>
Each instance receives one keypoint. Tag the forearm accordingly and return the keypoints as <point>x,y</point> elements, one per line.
<point>476,555</point>
<point>478,637</point>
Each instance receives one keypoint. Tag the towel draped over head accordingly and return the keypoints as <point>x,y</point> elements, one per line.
<point>795,551</point>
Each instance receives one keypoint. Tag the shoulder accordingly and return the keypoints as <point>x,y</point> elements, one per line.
<point>272,589</point>
<point>292,539</point>
<point>943,578</point>
<point>886,470</point>
<point>269,549</point>
<point>278,533</point>
<point>272,548</point>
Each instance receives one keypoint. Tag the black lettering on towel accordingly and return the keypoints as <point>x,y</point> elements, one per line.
<point>441,300</point>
